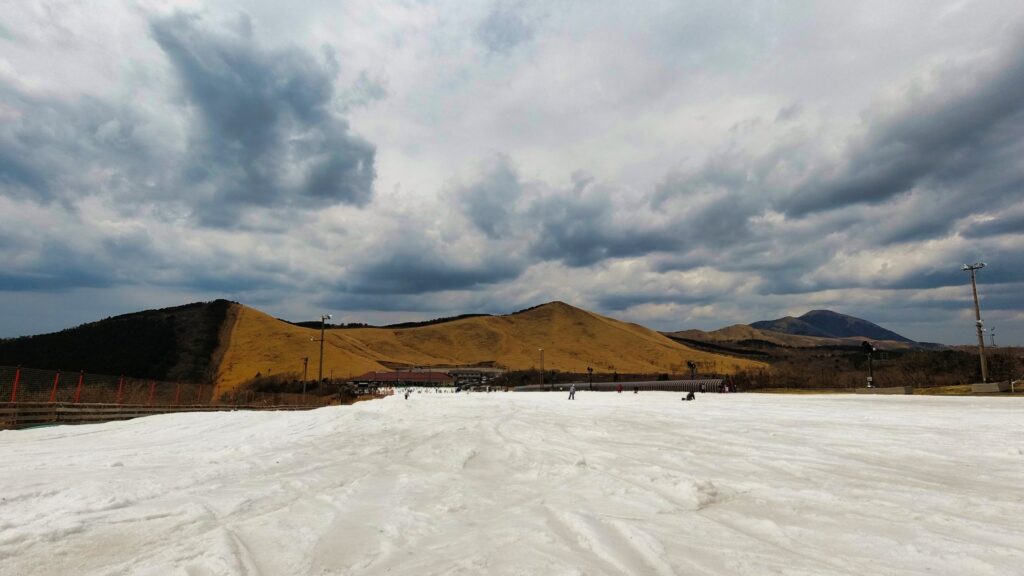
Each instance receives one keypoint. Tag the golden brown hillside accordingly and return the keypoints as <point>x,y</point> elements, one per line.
<point>572,339</point>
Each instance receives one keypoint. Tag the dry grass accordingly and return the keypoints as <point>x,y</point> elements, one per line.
<point>572,339</point>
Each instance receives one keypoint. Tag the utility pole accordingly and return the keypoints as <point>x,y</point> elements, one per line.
<point>973,269</point>
<point>869,349</point>
<point>992,332</point>
<point>541,350</point>
<point>320,374</point>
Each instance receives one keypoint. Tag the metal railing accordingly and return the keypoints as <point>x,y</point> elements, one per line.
<point>697,385</point>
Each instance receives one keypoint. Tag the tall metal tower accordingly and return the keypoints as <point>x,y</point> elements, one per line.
<point>973,269</point>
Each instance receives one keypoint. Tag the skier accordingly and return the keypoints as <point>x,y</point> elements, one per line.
<point>636,389</point>
<point>572,392</point>
<point>406,393</point>
<point>690,396</point>
<point>619,388</point>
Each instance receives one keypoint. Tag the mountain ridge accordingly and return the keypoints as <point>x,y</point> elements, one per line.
<point>830,324</point>
<point>229,344</point>
<point>816,328</point>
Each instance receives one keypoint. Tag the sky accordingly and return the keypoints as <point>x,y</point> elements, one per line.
<point>675,164</point>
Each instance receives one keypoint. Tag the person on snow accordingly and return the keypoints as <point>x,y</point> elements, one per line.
<point>619,388</point>
<point>572,392</point>
<point>690,396</point>
<point>406,393</point>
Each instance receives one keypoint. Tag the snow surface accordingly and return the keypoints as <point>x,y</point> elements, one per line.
<point>532,484</point>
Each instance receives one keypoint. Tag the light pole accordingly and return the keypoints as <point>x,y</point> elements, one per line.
<point>869,349</point>
<point>320,373</point>
<point>973,269</point>
<point>541,350</point>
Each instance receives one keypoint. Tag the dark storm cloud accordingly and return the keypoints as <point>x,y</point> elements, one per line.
<point>420,269</point>
<point>50,144</point>
<point>576,226</point>
<point>1009,222</point>
<point>944,137</point>
<point>504,28</point>
<point>623,301</point>
<point>490,202</point>
<point>264,132</point>
<point>56,266</point>
<point>379,303</point>
<point>580,229</point>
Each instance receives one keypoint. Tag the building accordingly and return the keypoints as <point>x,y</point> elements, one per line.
<point>477,376</point>
<point>401,378</point>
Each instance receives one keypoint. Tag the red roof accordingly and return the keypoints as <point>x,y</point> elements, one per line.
<point>432,377</point>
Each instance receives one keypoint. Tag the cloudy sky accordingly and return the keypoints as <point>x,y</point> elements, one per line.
<point>677,164</point>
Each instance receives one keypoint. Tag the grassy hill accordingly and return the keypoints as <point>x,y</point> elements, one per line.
<point>572,339</point>
<point>178,343</point>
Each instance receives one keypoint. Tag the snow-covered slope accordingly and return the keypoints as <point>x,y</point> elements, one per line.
<point>527,484</point>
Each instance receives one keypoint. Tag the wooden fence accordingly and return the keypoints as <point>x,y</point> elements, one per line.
<point>29,414</point>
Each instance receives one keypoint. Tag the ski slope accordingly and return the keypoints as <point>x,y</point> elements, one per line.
<point>528,484</point>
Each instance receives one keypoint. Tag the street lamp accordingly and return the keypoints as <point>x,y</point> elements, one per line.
<point>320,373</point>
<point>869,349</point>
<point>541,350</point>
<point>973,269</point>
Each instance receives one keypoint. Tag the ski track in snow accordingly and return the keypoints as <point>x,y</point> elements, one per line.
<point>527,484</point>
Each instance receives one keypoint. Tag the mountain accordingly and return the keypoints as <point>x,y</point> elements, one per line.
<point>178,343</point>
<point>829,324</point>
<point>747,333</point>
<point>230,344</point>
<point>791,325</point>
<point>572,339</point>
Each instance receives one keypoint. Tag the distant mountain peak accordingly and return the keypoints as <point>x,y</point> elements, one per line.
<point>830,324</point>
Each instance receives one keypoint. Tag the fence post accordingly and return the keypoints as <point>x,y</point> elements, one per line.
<point>14,391</point>
<point>78,389</point>
<point>199,395</point>
<point>177,395</point>
<point>53,393</point>
<point>120,390</point>
<point>152,391</point>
